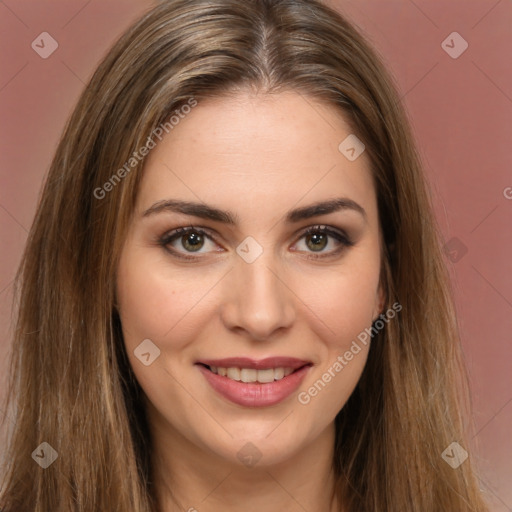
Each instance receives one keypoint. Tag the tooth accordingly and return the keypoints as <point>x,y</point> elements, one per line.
<point>248,375</point>
<point>234,373</point>
<point>252,375</point>
<point>278,373</point>
<point>265,375</point>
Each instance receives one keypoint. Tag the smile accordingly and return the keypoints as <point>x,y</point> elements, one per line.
<point>251,383</point>
<point>251,375</point>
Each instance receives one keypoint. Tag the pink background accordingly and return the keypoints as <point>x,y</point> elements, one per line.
<point>461,111</point>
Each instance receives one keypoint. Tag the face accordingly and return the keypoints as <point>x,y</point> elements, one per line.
<point>253,254</point>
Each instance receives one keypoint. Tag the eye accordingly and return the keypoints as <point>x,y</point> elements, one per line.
<point>188,239</point>
<point>318,238</point>
<point>184,242</point>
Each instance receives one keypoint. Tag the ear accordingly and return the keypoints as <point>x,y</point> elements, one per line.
<point>380,302</point>
<point>381,295</point>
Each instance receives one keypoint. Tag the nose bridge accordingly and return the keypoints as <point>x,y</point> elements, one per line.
<point>258,302</point>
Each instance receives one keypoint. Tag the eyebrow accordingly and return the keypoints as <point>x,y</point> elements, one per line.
<point>209,212</point>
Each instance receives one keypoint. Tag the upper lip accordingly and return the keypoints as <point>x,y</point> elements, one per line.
<point>257,364</point>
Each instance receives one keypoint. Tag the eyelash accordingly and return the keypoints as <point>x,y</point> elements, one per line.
<point>171,236</point>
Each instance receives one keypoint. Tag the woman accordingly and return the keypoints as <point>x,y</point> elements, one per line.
<point>233,294</point>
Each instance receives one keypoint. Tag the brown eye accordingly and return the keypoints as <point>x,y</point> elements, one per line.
<point>316,241</point>
<point>183,241</point>
<point>324,241</point>
<point>192,241</point>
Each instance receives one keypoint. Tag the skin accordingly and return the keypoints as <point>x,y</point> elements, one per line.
<point>258,156</point>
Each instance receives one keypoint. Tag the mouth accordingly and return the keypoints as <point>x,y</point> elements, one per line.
<point>250,375</point>
<point>252,383</point>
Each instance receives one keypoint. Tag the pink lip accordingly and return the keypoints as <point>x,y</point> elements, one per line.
<point>255,394</point>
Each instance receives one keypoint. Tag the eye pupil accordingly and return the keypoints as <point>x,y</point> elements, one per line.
<point>192,241</point>
<point>317,238</point>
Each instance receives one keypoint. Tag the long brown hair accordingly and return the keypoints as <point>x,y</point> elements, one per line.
<point>71,385</point>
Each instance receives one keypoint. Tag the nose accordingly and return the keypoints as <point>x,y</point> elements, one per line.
<point>258,300</point>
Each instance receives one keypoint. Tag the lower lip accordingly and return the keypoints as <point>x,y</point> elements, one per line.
<point>255,394</point>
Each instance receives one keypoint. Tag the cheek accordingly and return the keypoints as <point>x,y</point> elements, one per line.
<point>157,306</point>
<point>343,302</point>
<point>344,309</point>
<point>153,302</point>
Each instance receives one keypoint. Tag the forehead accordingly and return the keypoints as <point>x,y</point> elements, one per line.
<point>257,152</point>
